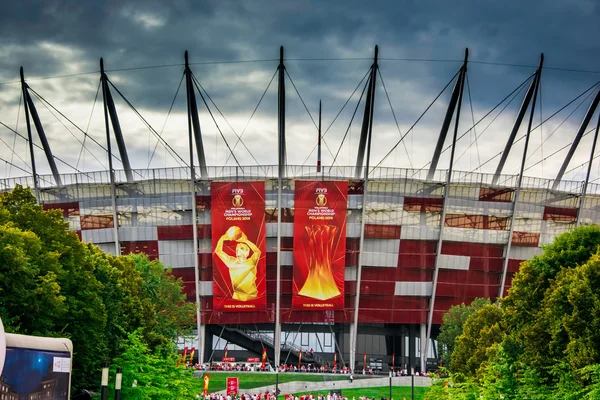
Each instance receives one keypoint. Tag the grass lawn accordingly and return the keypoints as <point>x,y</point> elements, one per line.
<point>249,380</point>
<point>398,392</point>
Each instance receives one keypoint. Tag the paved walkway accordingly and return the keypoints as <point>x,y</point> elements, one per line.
<point>362,382</point>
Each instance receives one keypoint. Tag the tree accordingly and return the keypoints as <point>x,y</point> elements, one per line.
<point>452,327</point>
<point>477,345</point>
<point>154,374</point>
<point>51,284</point>
<point>527,313</point>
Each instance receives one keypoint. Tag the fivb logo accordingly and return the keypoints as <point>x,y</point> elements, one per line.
<point>237,200</point>
<point>321,200</point>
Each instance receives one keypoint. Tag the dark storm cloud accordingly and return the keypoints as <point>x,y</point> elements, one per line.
<point>52,38</point>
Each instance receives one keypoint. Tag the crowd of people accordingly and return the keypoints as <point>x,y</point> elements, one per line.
<point>272,396</point>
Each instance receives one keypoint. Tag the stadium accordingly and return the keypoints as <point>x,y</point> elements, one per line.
<point>407,244</point>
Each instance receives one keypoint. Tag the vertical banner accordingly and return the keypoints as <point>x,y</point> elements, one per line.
<point>192,355</point>
<point>264,359</point>
<point>206,382</point>
<point>393,357</point>
<point>233,386</point>
<point>334,361</point>
<point>299,359</point>
<point>319,245</point>
<point>239,247</point>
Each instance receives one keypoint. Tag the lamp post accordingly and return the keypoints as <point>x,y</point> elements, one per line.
<point>277,381</point>
<point>118,382</point>
<point>412,374</point>
<point>104,382</point>
<point>390,384</point>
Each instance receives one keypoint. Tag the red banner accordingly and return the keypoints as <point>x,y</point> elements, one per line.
<point>253,359</point>
<point>233,386</point>
<point>206,382</point>
<point>239,247</point>
<point>334,361</point>
<point>192,355</point>
<point>264,359</point>
<point>319,245</point>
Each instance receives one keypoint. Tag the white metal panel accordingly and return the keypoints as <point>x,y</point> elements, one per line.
<point>353,230</point>
<point>177,260</point>
<point>287,199</point>
<point>287,229</point>
<point>205,288</point>
<point>523,252</point>
<point>135,233</point>
<point>375,259</point>
<point>413,289</point>
<point>355,201</point>
<point>108,248</point>
<point>382,245</point>
<point>104,235</point>
<point>205,246</point>
<point>476,207</point>
<point>420,232</point>
<point>475,235</point>
<point>447,261</point>
<point>350,273</point>
<point>174,247</point>
<point>528,210</point>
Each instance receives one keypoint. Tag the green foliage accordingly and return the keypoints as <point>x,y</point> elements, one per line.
<point>51,284</point>
<point>543,342</point>
<point>154,374</point>
<point>452,327</point>
<point>477,344</point>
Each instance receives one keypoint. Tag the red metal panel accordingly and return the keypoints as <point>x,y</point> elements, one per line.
<point>272,259</point>
<point>378,274</point>
<point>377,287</point>
<point>417,246</point>
<point>205,260</point>
<point>186,274</point>
<point>206,274</point>
<point>375,231</point>
<point>409,317</point>
<point>202,202</point>
<point>68,209</point>
<point>175,232</point>
<point>466,291</point>
<point>416,260</point>
<point>405,274</point>
<point>150,247</point>
<point>387,302</point>
<point>286,286</point>
<point>330,316</point>
<point>472,249</point>
<point>560,214</point>
<point>286,272</point>
<point>486,263</point>
<point>468,277</point>
<point>423,204</point>
<point>350,287</point>
<point>502,195</point>
<point>514,265</point>
<point>526,239</point>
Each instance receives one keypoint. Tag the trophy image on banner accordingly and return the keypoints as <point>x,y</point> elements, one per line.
<point>320,283</point>
<point>242,267</point>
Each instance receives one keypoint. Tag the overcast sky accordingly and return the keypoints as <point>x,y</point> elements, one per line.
<point>328,49</point>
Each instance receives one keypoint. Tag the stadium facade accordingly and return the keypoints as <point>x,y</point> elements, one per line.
<point>416,241</point>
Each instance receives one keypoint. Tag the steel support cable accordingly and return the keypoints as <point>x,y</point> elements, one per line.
<point>15,136</point>
<point>554,153</point>
<point>515,92</point>
<point>65,117</point>
<point>227,122</point>
<point>169,148</point>
<point>215,121</point>
<point>337,115</point>
<point>309,114</point>
<point>394,114</point>
<point>562,123</point>
<point>542,129</point>
<point>166,119</point>
<point>351,120</point>
<point>13,153</point>
<point>473,119</point>
<point>14,165</point>
<point>543,122</point>
<point>39,147</point>
<point>68,130</point>
<point>87,128</point>
<point>418,119</point>
<point>251,116</point>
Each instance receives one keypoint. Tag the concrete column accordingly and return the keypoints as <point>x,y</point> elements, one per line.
<point>412,346</point>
